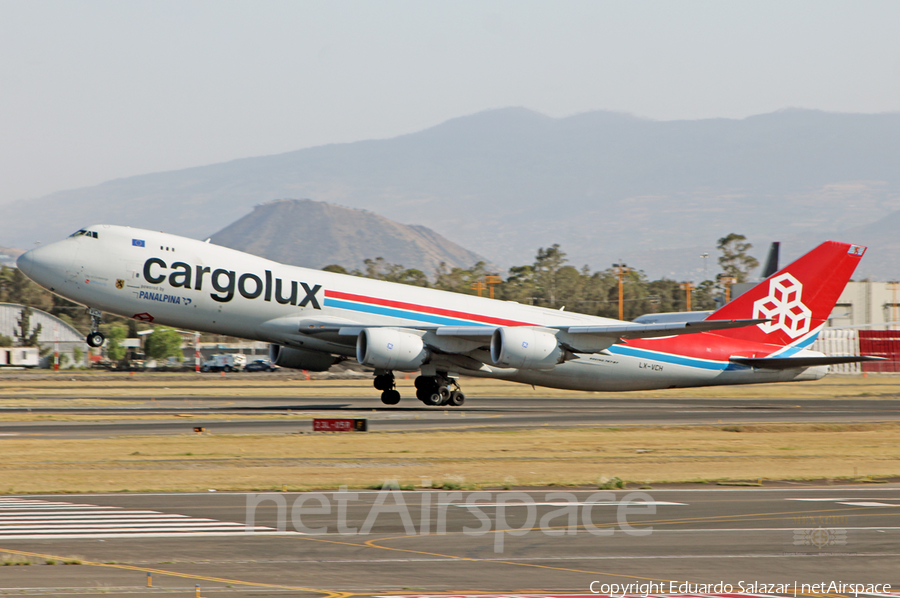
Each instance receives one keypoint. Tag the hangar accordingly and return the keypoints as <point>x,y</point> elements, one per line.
<point>53,330</point>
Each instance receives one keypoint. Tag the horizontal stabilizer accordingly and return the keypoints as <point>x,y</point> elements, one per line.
<point>786,363</point>
<point>627,331</point>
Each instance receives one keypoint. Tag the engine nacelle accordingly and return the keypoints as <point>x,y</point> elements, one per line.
<point>301,359</point>
<point>525,348</point>
<point>390,349</point>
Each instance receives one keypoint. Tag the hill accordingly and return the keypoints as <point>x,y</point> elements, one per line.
<point>315,234</point>
<point>606,186</point>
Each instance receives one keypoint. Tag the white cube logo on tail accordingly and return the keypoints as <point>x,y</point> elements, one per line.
<point>784,307</point>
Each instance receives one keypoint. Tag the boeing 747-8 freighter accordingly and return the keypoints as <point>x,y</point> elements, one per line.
<point>313,319</point>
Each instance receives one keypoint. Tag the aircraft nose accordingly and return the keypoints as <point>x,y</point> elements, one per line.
<point>45,264</point>
<point>25,263</point>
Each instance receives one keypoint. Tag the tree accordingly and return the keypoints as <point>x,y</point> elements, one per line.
<point>5,341</point>
<point>26,338</point>
<point>335,268</point>
<point>547,265</point>
<point>734,259</point>
<point>15,287</point>
<point>78,355</point>
<point>705,296</point>
<point>162,343</point>
<point>380,269</point>
<point>459,280</point>
<point>519,285</point>
<point>114,337</point>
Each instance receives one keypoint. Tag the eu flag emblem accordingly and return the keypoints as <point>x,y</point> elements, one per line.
<point>137,242</point>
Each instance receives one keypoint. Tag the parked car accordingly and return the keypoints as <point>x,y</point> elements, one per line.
<point>229,362</point>
<point>260,365</point>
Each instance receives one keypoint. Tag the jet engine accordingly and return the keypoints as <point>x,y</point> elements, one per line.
<point>390,349</point>
<point>526,348</point>
<point>301,359</point>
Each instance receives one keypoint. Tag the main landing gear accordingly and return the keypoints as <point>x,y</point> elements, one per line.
<point>435,390</point>
<point>431,390</point>
<point>95,338</point>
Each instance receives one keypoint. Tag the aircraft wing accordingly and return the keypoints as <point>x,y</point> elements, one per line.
<point>617,331</point>
<point>786,363</point>
<point>626,331</point>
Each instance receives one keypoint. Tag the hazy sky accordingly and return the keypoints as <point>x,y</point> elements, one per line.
<point>95,90</point>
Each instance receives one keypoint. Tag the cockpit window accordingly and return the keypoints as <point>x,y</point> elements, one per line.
<point>85,233</point>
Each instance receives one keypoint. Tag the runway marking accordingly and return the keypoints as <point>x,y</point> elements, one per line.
<point>325,593</point>
<point>28,519</point>
<point>853,502</point>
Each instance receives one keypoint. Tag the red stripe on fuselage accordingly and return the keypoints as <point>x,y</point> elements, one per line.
<point>437,311</point>
<point>705,345</point>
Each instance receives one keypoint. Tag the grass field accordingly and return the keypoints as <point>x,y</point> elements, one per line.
<point>77,385</point>
<point>584,456</point>
<point>542,457</point>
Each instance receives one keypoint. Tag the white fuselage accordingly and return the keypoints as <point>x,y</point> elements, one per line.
<point>186,283</point>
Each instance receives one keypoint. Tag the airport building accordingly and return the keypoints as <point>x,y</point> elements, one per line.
<point>54,332</point>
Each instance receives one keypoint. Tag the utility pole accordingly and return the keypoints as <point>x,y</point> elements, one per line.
<point>621,270</point>
<point>687,287</point>
<point>705,257</point>
<point>479,287</point>
<point>491,280</point>
<point>728,281</point>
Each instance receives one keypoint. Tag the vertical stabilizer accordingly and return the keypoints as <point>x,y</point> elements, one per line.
<point>771,266</point>
<point>798,298</point>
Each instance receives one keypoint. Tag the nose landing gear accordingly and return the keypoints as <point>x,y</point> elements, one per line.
<point>95,338</point>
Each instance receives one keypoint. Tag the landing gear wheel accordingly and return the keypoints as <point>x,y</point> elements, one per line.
<point>457,398</point>
<point>434,399</point>
<point>384,382</point>
<point>390,397</point>
<point>445,394</point>
<point>95,339</point>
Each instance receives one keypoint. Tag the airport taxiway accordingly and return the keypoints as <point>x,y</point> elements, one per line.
<point>791,533</point>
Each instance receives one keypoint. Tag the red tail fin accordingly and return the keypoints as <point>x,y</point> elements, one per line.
<point>798,298</point>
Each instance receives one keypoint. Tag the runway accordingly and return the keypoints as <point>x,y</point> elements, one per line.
<point>257,415</point>
<point>318,545</point>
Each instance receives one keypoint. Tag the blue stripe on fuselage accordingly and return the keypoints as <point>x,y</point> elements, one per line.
<point>399,313</point>
<point>615,349</point>
<point>669,358</point>
<point>800,345</point>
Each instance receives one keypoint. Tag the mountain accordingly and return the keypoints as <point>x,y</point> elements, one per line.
<point>315,234</point>
<point>882,257</point>
<point>606,186</point>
